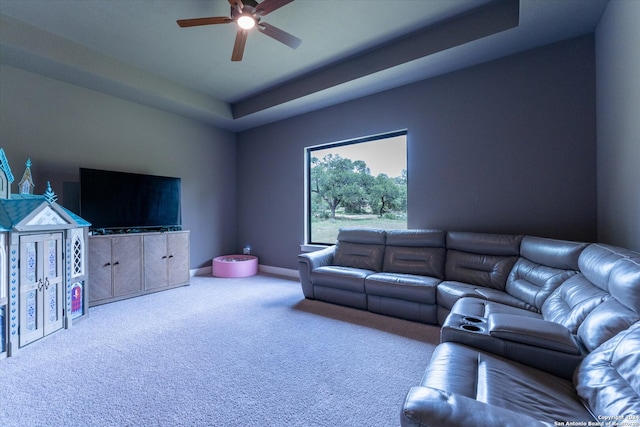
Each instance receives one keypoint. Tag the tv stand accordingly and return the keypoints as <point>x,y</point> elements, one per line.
<point>127,265</point>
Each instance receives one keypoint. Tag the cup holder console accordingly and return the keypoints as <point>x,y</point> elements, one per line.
<point>471,324</point>
<point>465,329</point>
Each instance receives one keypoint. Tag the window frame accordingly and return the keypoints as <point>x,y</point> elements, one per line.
<point>310,245</point>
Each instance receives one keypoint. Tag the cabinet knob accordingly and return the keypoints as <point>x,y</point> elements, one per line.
<point>116,263</point>
<point>107,264</point>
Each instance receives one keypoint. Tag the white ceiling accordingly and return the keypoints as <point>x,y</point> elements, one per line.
<point>135,50</point>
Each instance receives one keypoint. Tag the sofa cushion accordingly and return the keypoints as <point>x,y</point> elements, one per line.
<point>494,380</point>
<point>608,380</point>
<point>533,282</point>
<point>423,261</point>
<point>430,407</point>
<point>409,287</point>
<point>449,292</point>
<point>367,236</point>
<point>484,243</point>
<point>624,283</point>
<point>622,308</point>
<point>415,252</point>
<point>597,260</point>
<point>360,248</point>
<point>490,271</point>
<point>477,307</point>
<point>416,238</point>
<point>570,304</point>
<point>359,255</point>
<point>481,259</point>
<point>561,254</point>
<point>347,278</point>
<point>502,297</point>
<point>604,322</point>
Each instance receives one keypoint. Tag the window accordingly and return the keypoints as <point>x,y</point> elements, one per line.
<point>356,183</point>
<point>77,256</point>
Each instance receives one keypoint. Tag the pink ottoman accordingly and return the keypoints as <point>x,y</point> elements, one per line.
<point>234,266</point>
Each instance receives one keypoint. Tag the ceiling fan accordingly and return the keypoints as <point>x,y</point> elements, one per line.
<point>248,14</point>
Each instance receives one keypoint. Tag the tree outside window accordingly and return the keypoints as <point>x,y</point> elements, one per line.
<point>360,182</point>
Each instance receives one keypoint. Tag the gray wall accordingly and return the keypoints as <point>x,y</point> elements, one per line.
<point>507,146</point>
<point>618,95</point>
<point>62,127</point>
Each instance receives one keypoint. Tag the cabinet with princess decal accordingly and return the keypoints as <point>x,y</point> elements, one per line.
<point>43,268</point>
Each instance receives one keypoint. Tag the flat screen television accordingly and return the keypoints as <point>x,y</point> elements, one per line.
<point>124,201</point>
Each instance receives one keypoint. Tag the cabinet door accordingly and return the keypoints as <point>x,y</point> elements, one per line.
<point>155,261</point>
<point>101,286</point>
<point>41,283</point>
<point>178,258</point>
<point>127,266</point>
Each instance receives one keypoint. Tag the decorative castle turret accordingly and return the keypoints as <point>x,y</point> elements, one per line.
<point>6,177</point>
<point>25,186</point>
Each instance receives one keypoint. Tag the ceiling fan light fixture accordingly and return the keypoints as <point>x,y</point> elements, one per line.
<point>248,14</point>
<point>246,22</point>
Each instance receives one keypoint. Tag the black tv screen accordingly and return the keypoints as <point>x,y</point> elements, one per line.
<point>123,200</point>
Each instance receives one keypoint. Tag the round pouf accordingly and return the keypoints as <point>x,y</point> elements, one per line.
<point>234,266</point>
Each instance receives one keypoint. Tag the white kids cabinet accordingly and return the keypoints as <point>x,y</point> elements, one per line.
<point>44,275</point>
<point>44,269</point>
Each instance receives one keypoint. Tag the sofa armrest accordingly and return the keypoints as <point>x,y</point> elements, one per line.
<point>532,331</point>
<point>309,261</point>
<point>427,407</point>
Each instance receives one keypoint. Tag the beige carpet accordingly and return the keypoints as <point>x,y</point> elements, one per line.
<point>220,352</point>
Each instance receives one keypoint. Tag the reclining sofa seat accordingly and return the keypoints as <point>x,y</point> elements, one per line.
<point>538,279</point>
<point>544,266</point>
<point>477,264</point>
<point>464,385</point>
<point>357,254</point>
<point>413,266</point>
<point>588,308</point>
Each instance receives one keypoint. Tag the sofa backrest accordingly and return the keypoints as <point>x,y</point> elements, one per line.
<point>572,301</point>
<point>481,259</point>
<point>360,248</point>
<point>415,252</point>
<point>544,264</point>
<point>607,379</point>
<point>617,272</point>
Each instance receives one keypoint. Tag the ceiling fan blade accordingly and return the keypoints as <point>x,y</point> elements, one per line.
<point>268,6</point>
<point>204,21</point>
<point>238,47</point>
<point>280,35</point>
<point>237,4</point>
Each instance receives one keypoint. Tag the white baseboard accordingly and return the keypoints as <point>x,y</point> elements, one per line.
<point>278,271</point>
<point>202,271</point>
<point>286,272</point>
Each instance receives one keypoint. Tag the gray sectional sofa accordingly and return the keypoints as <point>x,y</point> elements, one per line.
<point>534,331</point>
